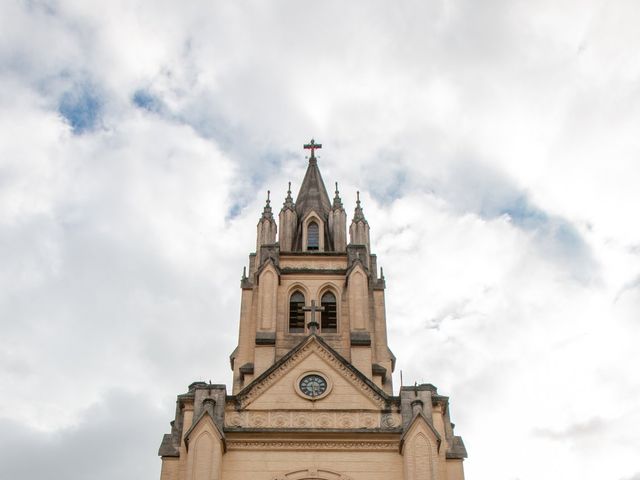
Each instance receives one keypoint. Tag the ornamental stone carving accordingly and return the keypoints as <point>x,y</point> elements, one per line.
<point>313,419</point>
<point>311,445</point>
<point>313,264</point>
<point>391,420</point>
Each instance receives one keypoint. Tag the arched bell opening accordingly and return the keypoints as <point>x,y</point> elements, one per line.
<point>296,312</point>
<point>329,315</point>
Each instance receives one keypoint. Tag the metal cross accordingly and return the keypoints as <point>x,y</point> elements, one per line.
<point>313,325</point>
<point>312,145</point>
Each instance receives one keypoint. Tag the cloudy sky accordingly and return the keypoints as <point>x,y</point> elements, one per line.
<point>496,146</point>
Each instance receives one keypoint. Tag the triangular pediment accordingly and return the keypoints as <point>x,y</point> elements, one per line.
<point>357,268</point>
<point>204,423</point>
<point>277,388</point>
<point>269,264</point>
<point>420,425</point>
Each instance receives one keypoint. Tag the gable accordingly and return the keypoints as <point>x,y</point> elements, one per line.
<point>343,394</point>
<point>205,446</point>
<point>421,428</point>
<point>204,427</point>
<point>276,388</point>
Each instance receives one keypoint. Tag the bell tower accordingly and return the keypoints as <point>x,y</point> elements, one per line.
<point>312,393</point>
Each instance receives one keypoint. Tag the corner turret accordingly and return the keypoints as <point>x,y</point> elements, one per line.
<point>266,226</point>
<point>359,229</point>
<point>288,221</point>
<point>338,224</point>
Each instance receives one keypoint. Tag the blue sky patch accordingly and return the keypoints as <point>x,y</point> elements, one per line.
<point>146,100</point>
<point>558,237</point>
<point>474,186</point>
<point>81,107</point>
<point>389,184</point>
<point>255,178</point>
<point>234,211</point>
<point>522,213</point>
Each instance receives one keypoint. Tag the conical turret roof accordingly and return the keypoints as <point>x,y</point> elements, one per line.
<point>358,214</point>
<point>313,194</point>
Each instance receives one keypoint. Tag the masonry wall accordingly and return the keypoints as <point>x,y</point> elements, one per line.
<point>269,465</point>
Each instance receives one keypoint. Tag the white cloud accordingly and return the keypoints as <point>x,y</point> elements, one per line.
<point>495,145</point>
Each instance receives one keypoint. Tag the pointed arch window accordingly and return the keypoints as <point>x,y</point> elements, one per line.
<point>296,313</point>
<point>329,322</point>
<point>313,236</point>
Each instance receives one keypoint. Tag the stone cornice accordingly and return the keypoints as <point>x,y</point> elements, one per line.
<point>312,445</point>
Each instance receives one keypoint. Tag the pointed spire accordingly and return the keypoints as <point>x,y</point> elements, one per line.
<point>288,201</point>
<point>313,194</point>
<point>337,201</point>
<point>358,214</point>
<point>267,212</point>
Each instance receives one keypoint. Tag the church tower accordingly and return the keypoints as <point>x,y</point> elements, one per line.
<point>312,394</point>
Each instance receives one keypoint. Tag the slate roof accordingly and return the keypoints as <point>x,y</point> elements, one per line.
<point>313,194</point>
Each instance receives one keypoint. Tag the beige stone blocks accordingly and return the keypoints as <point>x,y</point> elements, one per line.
<point>267,299</point>
<point>455,470</point>
<point>170,468</point>
<point>361,359</point>
<point>264,358</point>
<point>358,292</point>
<point>286,459</point>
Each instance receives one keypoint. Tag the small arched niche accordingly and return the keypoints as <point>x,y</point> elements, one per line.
<point>313,233</point>
<point>313,236</point>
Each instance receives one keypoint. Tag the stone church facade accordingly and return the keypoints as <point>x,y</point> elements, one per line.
<point>312,393</point>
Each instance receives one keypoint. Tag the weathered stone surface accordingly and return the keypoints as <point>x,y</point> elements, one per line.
<point>265,338</point>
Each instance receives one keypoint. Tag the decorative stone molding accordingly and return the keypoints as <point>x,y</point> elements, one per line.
<point>319,419</point>
<point>360,339</point>
<point>311,445</point>
<point>320,264</point>
<point>265,338</point>
<point>391,420</point>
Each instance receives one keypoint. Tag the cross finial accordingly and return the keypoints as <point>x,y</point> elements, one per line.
<point>313,325</point>
<point>358,197</point>
<point>312,145</point>
<point>268,196</point>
